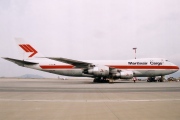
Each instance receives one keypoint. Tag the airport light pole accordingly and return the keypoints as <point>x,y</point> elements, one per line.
<point>135,51</point>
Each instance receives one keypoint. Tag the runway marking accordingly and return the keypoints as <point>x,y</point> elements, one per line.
<point>90,101</point>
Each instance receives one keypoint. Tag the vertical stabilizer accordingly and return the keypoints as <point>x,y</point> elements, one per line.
<point>27,50</point>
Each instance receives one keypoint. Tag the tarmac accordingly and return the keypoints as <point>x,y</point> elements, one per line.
<point>81,99</point>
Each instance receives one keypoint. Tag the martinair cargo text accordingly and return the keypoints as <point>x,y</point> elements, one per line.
<point>100,70</point>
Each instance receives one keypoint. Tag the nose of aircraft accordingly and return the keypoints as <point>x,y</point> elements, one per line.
<point>176,68</point>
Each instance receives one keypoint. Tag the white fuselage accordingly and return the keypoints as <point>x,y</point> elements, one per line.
<point>146,67</point>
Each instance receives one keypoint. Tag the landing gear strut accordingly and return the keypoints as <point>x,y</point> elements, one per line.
<point>161,79</point>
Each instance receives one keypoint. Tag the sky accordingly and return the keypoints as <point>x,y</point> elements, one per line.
<point>89,30</point>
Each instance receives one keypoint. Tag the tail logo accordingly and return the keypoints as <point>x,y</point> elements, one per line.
<point>28,48</point>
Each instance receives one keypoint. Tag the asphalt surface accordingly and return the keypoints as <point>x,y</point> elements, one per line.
<point>53,99</point>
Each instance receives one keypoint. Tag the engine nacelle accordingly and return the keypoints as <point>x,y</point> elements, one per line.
<point>99,71</point>
<point>124,75</point>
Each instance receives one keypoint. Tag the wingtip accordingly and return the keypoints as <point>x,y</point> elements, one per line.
<point>4,57</point>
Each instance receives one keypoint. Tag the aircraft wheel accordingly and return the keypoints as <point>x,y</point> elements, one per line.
<point>95,80</point>
<point>105,81</point>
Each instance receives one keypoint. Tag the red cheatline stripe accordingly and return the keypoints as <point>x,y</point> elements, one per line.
<point>57,66</point>
<point>143,67</point>
<point>114,66</point>
<point>24,48</point>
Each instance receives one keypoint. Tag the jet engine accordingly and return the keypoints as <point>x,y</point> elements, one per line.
<point>123,74</point>
<point>99,71</point>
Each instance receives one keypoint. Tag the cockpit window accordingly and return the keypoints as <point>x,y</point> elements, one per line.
<point>166,60</point>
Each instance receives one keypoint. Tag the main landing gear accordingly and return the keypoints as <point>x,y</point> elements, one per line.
<point>101,80</point>
<point>154,79</point>
<point>151,79</point>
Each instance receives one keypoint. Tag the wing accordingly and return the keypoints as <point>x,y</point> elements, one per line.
<point>76,63</point>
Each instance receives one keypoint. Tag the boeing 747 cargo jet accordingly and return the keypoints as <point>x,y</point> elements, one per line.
<point>100,70</point>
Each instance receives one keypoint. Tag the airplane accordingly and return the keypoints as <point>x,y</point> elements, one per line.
<point>100,70</point>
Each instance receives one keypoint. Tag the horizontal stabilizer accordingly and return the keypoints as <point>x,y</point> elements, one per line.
<point>20,62</point>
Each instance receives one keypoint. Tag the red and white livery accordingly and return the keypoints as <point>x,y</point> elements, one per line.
<point>97,69</point>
